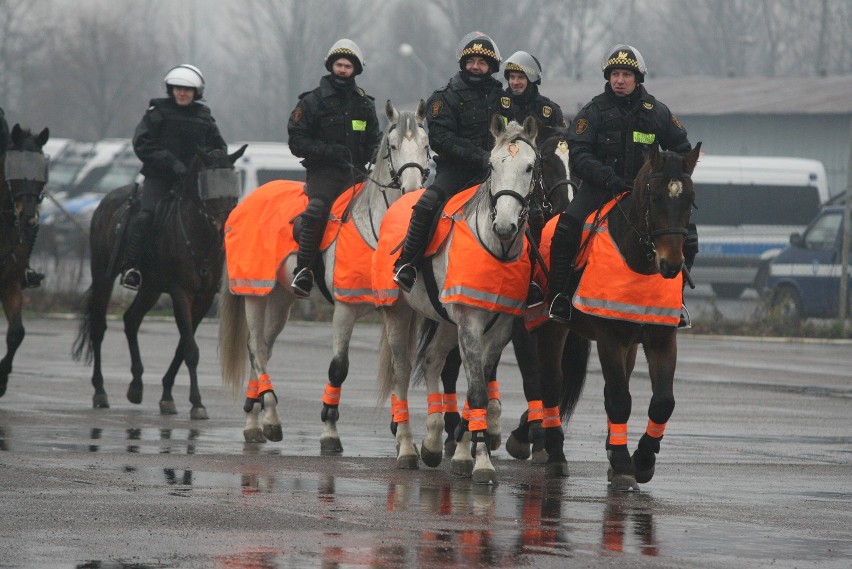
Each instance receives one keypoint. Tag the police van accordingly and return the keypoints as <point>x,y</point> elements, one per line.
<point>746,209</point>
<point>803,281</point>
<point>263,162</point>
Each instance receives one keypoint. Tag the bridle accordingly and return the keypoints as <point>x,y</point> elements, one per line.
<point>396,173</point>
<point>524,200</point>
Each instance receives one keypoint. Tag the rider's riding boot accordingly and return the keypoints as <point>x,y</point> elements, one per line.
<point>309,241</point>
<point>563,250</point>
<point>32,278</point>
<point>690,250</point>
<point>405,268</point>
<point>131,278</point>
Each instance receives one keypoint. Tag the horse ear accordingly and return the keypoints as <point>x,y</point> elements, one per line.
<point>421,112</point>
<point>17,132</point>
<point>691,159</point>
<point>391,112</point>
<point>530,128</point>
<point>498,125</point>
<point>43,136</point>
<point>653,157</point>
<point>238,154</point>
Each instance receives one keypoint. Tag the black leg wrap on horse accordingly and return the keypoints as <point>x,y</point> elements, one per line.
<point>461,429</point>
<point>249,404</point>
<point>418,230</point>
<point>331,413</point>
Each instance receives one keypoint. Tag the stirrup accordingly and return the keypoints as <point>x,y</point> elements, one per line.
<point>32,279</point>
<point>131,279</point>
<point>535,296</point>
<point>685,321</point>
<point>302,283</point>
<point>561,308</point>
<point>405,277</point>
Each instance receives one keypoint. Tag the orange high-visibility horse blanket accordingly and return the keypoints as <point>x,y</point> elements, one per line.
<point>474,276</point>
<point>259,238</point>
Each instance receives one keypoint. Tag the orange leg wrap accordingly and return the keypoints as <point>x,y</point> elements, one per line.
<point>263,384</point>
<point>399,408</point>
<point>618,434</point>
<point>655,430</point>
<point>436,402</point>
<point>551,418</point>
<point>251,392</point>
<point>493,390</point>
<point>451,403</point>
<point>477,420</point>
<point>535,410</point>
<point>466,412</point>
<point>331,395</point>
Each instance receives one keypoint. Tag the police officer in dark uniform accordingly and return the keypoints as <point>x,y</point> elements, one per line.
<point>607,139</point>
<point>459,121</point>
<point>336,130</point>
<point>523,75</point>
<point>166,141</point>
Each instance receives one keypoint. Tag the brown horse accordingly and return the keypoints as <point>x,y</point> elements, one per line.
<point>24,171</point>
<point>648,228</point>
<point>184,261</point>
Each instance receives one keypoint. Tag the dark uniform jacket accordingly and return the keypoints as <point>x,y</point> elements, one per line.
<point>334,126</point>
<point>608,136</point>
<point>532,103</point>
<point>459,118</point>
<point>4,132</point>
<point>169,136</point>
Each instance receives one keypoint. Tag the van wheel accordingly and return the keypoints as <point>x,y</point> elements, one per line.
<point>727,290</point>
<point>787,306</point>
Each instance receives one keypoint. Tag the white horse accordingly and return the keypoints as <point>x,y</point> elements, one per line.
<point>254,322</point>
<point>496,217</point>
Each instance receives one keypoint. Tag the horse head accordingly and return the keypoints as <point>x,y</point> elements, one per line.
<point>666,196</point>
<point>556,190</point>
<point>405,148</point>
<point>513,164</point>
<point>25,169</point>
<point>217,182</point>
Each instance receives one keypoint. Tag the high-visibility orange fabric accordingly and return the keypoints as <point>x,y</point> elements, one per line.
<point>436,402</point>
<point>618,433</point>
<point>251,392</point>
<point>477,420</point>
<point>611,289</point>
<point>535,410</point>
<point>331,395</point>
<point>264,384</point>
<point>399,409</point>
<point>351,281</point>
<point>551,417</point>
<point>259,235</point>
<point>656,430</point>
<point>451,403</point>
<point>493,390</point>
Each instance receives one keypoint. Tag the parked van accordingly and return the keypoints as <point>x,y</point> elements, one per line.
<point>746,209</point>
<point>263,162</point>
<point>803,281</point>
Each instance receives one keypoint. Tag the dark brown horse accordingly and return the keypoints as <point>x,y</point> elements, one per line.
<point>648,227</point>
<point>24,172</point>
<point>184,260</point>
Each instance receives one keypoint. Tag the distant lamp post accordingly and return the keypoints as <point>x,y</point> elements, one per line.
<point>407,50</point>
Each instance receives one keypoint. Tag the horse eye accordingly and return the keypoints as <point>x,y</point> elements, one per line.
<point>393,146</point>
<point>529,167</point>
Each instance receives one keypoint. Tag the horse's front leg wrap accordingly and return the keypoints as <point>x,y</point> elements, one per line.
<point>251,395</point>
<point>645,456</point>
<point>330,403</point>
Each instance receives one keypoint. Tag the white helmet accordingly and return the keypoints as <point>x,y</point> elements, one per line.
<point>526,64</point>
<point>348,49</point>
<point>185,75</point>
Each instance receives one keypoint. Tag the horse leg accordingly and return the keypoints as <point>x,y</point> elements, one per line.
<point>494,411</point>
<point>548,343</point>
<point>661,353</point>
<point>343,322</point>
<point>142,303</point>
<point>399,320</point>
<point>433,359</point>
<point>449,380</point>
<point>529,432</point>
<point>614,358</point>
<point>182,304</point>
<point>167,402</point>
<point>12,304</point>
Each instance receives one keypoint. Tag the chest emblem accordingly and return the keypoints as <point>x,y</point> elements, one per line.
<point>648,105</point>
<point>582,125</point>
<point>546,111</point>
<point>506,102</point>
<point>562,147</point>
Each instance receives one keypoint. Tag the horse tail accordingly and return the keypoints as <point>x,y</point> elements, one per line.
<point>84,333</point>
<point>384,377</point>
<point>425,334</point>
<point>233,336</point>
<point>575,361</point>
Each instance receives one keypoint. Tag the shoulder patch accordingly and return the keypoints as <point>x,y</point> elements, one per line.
<point>546,111</point>
<point>436,108</point>
<point>297,113</point>
<point>676,122</point>
<point>361,91</point>
<point>648,105</point>
<point>582,125</point>
<point>505,102</point>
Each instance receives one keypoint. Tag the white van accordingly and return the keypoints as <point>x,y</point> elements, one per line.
<point>746,209</point>
<point>263,162</point>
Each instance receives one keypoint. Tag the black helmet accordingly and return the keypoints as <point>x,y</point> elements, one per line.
<point>348,49</point>
<point>623,56</point>
<point>479,44</point>
<point>526,64</point>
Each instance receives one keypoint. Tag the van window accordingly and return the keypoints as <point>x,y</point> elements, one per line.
<point>265,175</point>
<point>741,204</point>
<point>822,236</point>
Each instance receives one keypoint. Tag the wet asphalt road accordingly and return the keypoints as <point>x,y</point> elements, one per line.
<point>755,469</point>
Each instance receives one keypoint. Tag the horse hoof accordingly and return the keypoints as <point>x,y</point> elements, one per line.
<point>134,394</point>
<point>430,458</point>
<point>517,449</point>
<point>494,440</point>
<point>254,435</point>
<point>450,447</point>
<point>407,462</point>
<point>100,401</point>
<point>623,483</point>
<point>330,445</point>
<point>463,467</point>
<point>198,414</point>
<point>485,476</point>
<point>644,476</point>
<point>273,433</point>
<point>556,469</point>
<point>539,457</point>
<point>168,408</point>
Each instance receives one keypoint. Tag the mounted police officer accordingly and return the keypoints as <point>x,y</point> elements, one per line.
<point>459,121</point>
<point>166,141</point>
<point>523,75</point>
<point>336,130</point>
<point>608,138</point>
